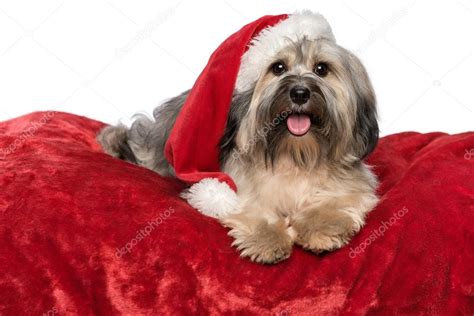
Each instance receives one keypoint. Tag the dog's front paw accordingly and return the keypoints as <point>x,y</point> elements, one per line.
<point>324,231</point>
<point>266,243</point>
<point>319,242</point>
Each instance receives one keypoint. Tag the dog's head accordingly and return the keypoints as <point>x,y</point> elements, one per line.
<point>312,103</point>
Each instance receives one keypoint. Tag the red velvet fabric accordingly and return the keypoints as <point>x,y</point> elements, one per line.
<point>84,233</point>
<point>205,112</point>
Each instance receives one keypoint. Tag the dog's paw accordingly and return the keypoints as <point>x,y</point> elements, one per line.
<point>324,231</point>
<point>265,244</point>
<point>319,242</point>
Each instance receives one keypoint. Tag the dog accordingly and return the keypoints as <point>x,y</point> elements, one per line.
<point>294,144</point>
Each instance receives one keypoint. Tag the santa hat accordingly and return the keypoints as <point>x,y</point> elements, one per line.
<point>193,145</point>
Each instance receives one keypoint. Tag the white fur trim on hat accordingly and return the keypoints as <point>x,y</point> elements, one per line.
<point>272,39</point>
<point>212,198</point>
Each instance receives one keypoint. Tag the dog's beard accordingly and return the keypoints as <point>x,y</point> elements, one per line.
<point>307,147</point>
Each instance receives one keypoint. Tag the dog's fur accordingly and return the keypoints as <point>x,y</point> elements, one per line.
<point>312,190</point>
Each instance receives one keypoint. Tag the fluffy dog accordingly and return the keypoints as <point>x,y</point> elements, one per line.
<point>294,144</point>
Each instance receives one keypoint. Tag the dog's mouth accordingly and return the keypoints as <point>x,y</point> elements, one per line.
<point>299,123</point>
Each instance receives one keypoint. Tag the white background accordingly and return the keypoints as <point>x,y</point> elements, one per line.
<point>110,59</point>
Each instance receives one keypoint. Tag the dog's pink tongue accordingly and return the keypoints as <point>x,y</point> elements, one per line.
<point>298,124</point>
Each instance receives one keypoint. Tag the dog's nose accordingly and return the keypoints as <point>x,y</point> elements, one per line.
<point>299,95</point>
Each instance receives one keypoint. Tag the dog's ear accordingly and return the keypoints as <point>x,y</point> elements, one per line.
<point>238,108</point>
<point>366,128</point>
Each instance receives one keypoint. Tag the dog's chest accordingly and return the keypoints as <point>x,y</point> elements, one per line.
<point>284,191</point>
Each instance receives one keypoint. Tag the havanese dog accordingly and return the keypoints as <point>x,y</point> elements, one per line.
<point>294,144</point>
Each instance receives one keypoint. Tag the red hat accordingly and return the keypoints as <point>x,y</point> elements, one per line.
<point>192,147</point>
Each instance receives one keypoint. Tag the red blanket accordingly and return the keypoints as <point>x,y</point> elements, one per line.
<point>84,233</point>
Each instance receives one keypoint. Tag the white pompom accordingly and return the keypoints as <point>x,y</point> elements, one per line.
<point>212,198</point>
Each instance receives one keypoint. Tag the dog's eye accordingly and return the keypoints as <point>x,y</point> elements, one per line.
<point>278,68</point>
<point>321,69</point>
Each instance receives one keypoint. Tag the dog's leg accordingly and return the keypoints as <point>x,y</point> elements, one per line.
<point>331,225</point>
<point>142,144</point>
<point>114,140</point>
<point>264,239</point>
